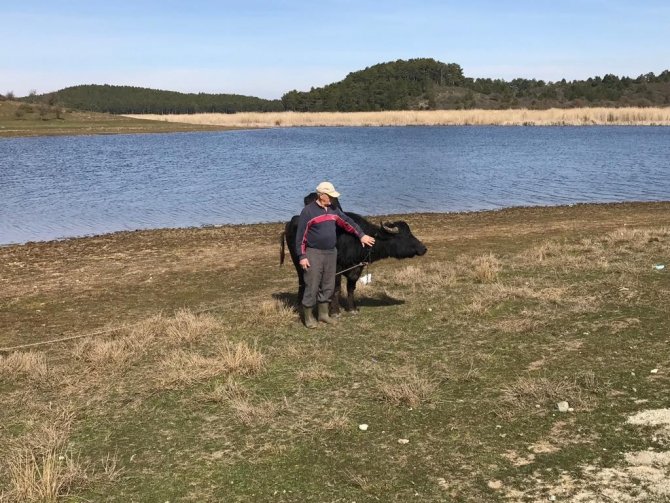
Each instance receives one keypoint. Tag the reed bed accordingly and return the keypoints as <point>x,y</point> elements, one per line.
<point>520,117</point>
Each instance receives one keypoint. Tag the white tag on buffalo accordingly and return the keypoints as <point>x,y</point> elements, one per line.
<point>366,279</point>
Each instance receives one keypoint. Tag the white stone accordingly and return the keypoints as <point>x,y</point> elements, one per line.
<point>363,427</point>
<point>563,406</point>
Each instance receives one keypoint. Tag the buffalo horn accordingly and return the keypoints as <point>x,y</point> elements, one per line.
<point>390,228</point>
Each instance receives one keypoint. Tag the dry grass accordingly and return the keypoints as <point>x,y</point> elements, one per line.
<point>133,341</point>
<point>29,365</point>
<point>431,277</point>
<point>407,389</point>
<point>110,467</point>
<point>275,311</point>
<point>593,253</point>
<point>551,117</point>
<point>485,269</point>
<point>43,477</point>
<point>227,391</point>
<point>338,422</point>
<point>187,326</point>
<point>240,401</point>
<point>40,466</point>
<point>183,368</point>
<point>314,372</point>
<point>114,352</point>
<point>490,295</point>
<point>250,414</point>
<point>529,392</point>
<point>241,358</point>
<point>358,480</point>
<point>544,251</point>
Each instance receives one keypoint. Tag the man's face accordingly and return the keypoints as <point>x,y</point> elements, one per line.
<point>324,199</point>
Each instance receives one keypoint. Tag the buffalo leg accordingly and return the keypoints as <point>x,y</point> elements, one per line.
<point>335,299</point>
<point>301,284</point>
<point>351,288</point>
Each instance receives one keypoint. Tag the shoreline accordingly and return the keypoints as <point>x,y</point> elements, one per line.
<point>123,234</point>
<point>77,123</point>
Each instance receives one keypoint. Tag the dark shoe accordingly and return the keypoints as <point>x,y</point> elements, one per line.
<point>323,314</point>
<point>308,314</point>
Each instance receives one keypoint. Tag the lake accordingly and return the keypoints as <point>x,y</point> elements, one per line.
<point>57,187</point>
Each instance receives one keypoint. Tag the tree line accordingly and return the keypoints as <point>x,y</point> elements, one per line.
<point>427,84</point>
<point>139,100</point>
<point>415,84</point>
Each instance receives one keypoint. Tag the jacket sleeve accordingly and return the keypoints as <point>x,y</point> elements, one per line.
<point>348,224</point>
<point>300,234</point>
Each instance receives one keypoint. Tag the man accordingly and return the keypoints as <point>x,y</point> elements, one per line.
<point>315,246</point>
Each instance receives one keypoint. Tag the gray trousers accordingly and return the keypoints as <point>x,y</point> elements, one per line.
<point>320,276</point>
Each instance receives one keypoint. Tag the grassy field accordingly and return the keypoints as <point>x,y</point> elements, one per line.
<point>191,378</point>
<point>521,117</point>
<point>20,119</point>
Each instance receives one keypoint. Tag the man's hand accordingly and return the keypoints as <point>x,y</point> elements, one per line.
<point>367,240</point>
<point>304,263</point>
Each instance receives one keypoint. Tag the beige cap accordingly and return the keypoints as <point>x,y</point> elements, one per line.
<point>327,188</point>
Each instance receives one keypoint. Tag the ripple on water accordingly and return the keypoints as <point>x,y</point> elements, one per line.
<point>71,186</point>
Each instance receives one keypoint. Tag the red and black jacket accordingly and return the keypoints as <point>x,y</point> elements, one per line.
<point>317,228</point>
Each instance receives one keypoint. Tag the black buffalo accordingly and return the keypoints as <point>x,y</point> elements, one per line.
<point>392,239</point>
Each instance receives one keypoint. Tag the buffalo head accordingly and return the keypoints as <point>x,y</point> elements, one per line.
<point>398,238</point>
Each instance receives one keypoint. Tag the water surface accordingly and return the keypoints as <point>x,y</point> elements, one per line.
<point>55,187</point>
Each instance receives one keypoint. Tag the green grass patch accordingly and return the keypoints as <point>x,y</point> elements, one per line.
<point>40,119</point>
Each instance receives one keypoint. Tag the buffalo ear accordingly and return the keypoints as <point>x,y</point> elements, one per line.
<point>390,228</point>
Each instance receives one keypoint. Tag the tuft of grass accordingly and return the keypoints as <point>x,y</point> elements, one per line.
<point>338,422</point>
<point>250,414</point>
<point>358,480</point>
<point>44,476</point>
<point>30,365</point>
<point>544,251</point>
<point>187,326</point>
<point>147,329</point>
<point>183,368</point>
<point>431,277</point>
<point>315,372</point>
<point>227,391</point>
<point>114,352</point>
<point>485,268</point>
<point>529,392</point>
<point>241,358</point>
<point>110,467</point>
<point>40,466</point>
<point>407,388</point>
<point>276,312</point>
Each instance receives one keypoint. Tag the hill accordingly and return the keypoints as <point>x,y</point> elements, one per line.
<point>414,84</point>
<point>136,100</point>
<point>427,84</point>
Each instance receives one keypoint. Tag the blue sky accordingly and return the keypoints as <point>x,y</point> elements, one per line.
<point>266,48</point>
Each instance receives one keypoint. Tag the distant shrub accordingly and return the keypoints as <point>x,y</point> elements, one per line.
<point>44,112</point>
